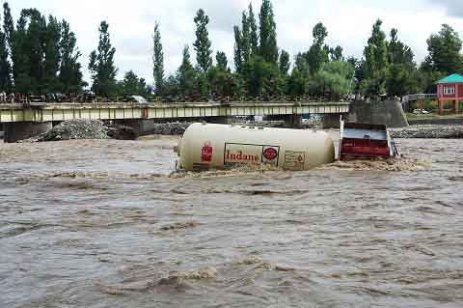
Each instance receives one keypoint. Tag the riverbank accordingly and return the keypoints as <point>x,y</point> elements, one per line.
<point>431,131</point>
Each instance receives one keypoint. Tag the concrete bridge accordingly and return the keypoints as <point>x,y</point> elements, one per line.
<point>22,121</point>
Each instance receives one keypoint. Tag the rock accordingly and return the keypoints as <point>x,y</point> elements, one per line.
<point>76,129</point>
<point>122,133</point>
<point>173,128</point>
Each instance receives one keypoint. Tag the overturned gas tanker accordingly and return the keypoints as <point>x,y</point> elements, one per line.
<point>215,146</point>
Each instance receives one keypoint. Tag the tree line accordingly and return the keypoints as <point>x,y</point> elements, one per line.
<point>39,55</point>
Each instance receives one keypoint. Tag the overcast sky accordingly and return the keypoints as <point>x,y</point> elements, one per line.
<point>349,24</point>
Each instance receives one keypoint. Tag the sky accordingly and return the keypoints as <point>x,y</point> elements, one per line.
<point>349,24</point>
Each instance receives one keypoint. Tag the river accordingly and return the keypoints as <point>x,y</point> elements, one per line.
<point>105,223</point>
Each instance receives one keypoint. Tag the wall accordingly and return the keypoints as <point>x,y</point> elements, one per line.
<point>14,132</point>
<point>387,112</point>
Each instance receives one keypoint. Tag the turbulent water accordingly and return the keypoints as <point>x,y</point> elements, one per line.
<point>105,224</point>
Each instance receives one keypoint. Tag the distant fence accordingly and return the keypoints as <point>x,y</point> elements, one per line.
<point>417,97</point>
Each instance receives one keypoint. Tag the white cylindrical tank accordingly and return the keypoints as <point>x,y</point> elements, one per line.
<point>216,146</point>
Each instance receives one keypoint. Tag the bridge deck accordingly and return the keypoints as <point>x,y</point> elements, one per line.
<point>41,112</point>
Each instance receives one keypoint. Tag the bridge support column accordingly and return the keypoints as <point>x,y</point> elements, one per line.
<point>219,120</point>
<point>330,121</point>
<point>139,126</point>
<point>293,120</point>
<point>16,131</point>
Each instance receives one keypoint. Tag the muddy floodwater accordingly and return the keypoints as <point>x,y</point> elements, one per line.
<point>105,223</point>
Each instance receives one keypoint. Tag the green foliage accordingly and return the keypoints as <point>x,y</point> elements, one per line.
<point>296,85</point>
<point>222,62</point>
<point>102,65</point>
<point>8,25</point>
<point>132,85</point>
<point>284,63</point>
<point>318,53</point>
<point>6,70</point>
<point>401,75</point>
<point>376,61</point>
<point>332,81</point>
<point>238,50</point>
<point>190,81</point>
<point>319,34</point>
<point>40,56</point>
<point>202,44</point>
<point>444,52</point>
<point>268,39</point>
<point>399,53</point>
<point>27,53</point>
<point>245,39</point>
<point>43,53</point>
<point>222,83</point>
<point>5,67</point>
<point>158,60</point>
<point>51,48</point>
<point>171,90</point>
<point>254,39</point>
<point>263,80</point>
<point>336,54</point>
<point>70,74</point>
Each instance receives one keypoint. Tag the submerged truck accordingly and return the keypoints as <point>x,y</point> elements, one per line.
<point>365,141</point>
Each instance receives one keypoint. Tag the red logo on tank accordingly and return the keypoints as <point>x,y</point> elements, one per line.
<point>270,153</point>
<point>206,152</point>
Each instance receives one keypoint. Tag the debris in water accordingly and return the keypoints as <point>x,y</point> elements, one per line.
<point>180,225</point>
<point>256,260</point>
<point>393,164</point>
<point>203,273</point>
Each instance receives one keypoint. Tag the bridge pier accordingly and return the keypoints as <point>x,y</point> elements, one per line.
<point>219,120</point>
<point>16,131</point>
<point>140,127</point>
<point>330,121</point>
<point>293,120</point>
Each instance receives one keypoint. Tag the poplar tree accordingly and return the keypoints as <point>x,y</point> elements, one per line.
<point>187,75</point>
<point>376,61</point>
<point>318,53</point>
<point>268,40</point>
<point>401,71</point>
<point>222,62</point>
<point>158,60</point>
<point>238,50</point>
<point>70,74</point>
<point>8,25</point>
<point>202,44</point>
<point>246,39</point>
<point>52,57</point>
<point>102,64</point>
<point>336,53</point>
<point>6,66</point>
<point>28,52</point>
<point>284,63</point>
<point>254,38</point>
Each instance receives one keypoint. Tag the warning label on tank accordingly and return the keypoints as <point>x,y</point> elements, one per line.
<point>237,153</point>
<point>294,160</point>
